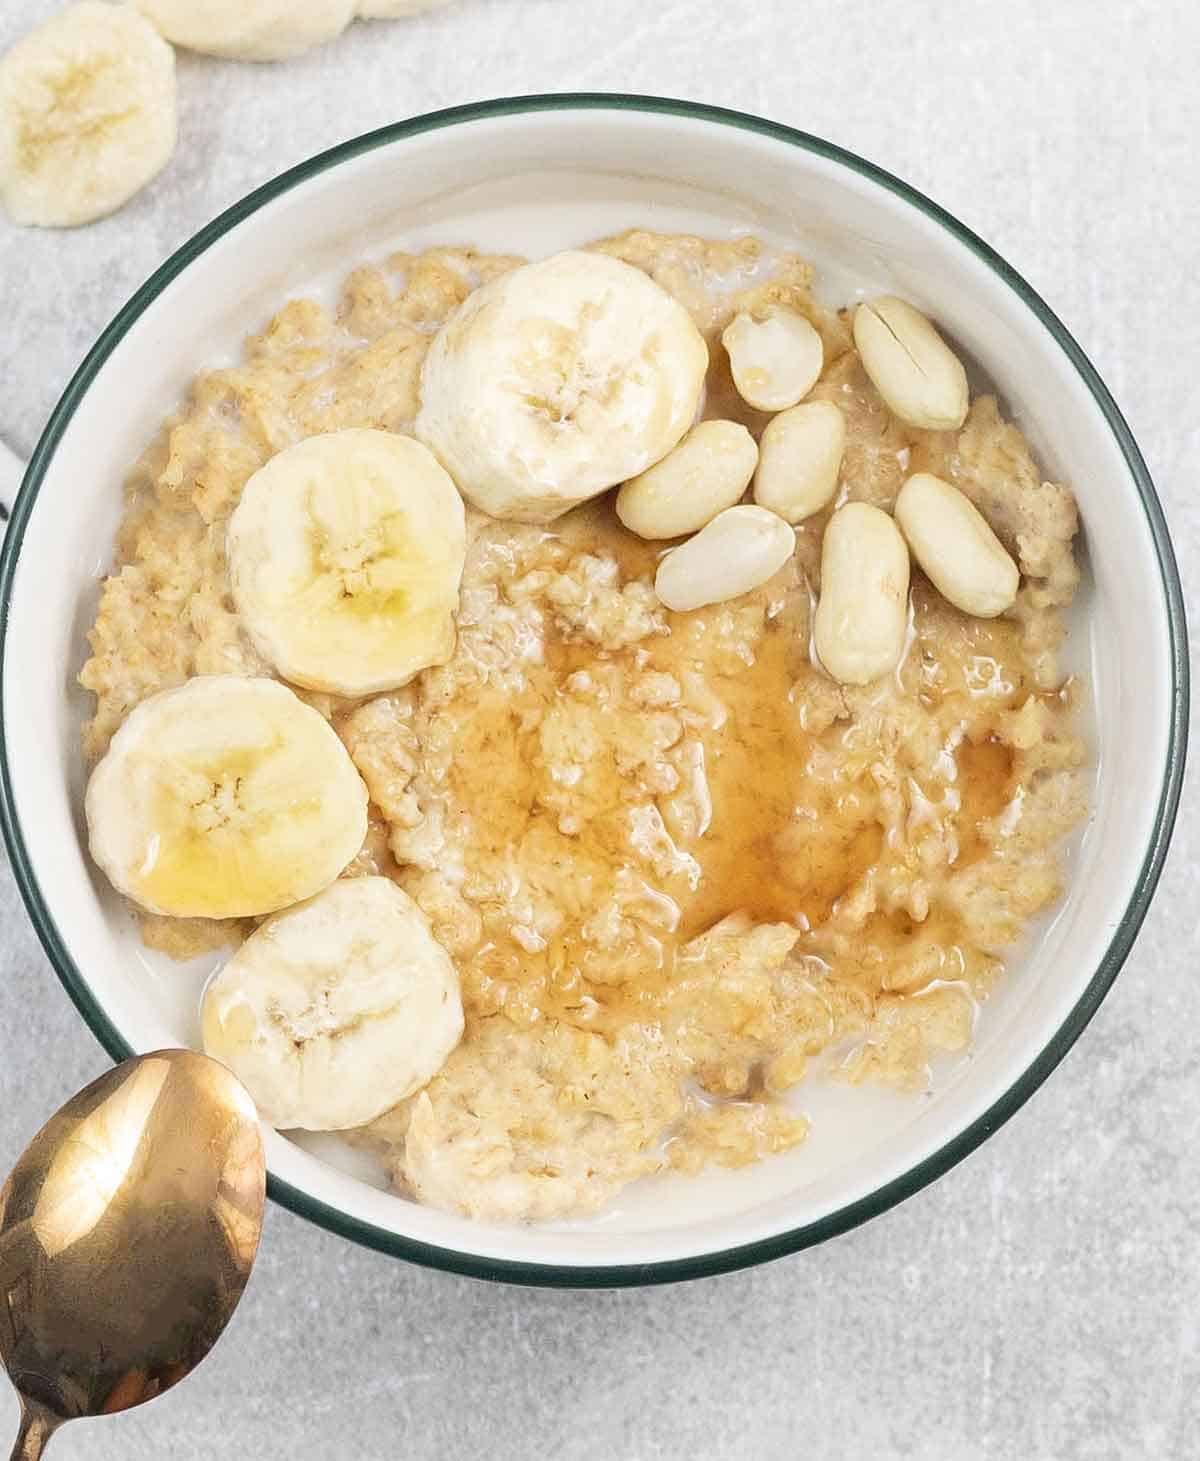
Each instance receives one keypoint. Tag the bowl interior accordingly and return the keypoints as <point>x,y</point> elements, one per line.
<point>533,182</point>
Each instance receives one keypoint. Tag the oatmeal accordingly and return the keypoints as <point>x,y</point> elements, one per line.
<point>671,859</point>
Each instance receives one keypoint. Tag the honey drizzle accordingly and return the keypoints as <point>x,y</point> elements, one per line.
<point>786,839</point>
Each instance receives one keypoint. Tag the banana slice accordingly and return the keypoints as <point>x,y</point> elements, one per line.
<point>224,798</point>
<point>557,381</point>
<point>87,115</point>
<point>249,30</point>
<point>333,1012</point>
<point>345,555</point>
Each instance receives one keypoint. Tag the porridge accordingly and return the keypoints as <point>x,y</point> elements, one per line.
<point>665,856</point>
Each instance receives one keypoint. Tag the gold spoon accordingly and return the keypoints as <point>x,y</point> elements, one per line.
<point>127,1233</point>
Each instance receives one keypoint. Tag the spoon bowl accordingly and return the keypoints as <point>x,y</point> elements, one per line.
<point>127,1233</point>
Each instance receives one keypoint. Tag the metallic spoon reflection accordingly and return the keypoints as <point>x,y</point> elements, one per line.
<point>127,1233</point>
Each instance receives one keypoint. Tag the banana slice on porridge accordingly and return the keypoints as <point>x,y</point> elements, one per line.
<point>87,115</point>
<point>557,381</point>
<point>333,1012</point>
<point>345,556</point>
<point>224,798</point>
<point>249,30</point>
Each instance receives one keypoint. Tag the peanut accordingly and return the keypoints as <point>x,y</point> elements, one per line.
<point>775,361</point>
<point>799,460</point>
<point>919,377</point>
<point>862,616</point>
<point>707,472</point>
<point>952,541</point>
<point>739,550</point>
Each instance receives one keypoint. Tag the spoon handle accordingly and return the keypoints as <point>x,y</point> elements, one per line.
<point>37,1426</point>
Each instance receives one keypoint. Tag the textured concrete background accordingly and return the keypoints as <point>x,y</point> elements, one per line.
<point>1040,1301</point>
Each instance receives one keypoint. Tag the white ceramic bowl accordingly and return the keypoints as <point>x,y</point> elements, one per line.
<point>536,175</point>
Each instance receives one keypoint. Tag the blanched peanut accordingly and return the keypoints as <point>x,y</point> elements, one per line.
<point>775,361</point>
<point>707,472</point>
<point>952,541</point>
<point>917,374</point>
<point>799,460</point>
<point>862,616</point>
<point>741,548</point>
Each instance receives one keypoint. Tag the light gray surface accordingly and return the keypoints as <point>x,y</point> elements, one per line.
<point>1040,1301</point>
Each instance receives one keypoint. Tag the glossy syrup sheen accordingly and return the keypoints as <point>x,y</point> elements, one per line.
<point>785,841</point>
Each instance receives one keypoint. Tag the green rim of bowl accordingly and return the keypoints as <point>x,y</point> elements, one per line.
<point>1039,1068</point>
